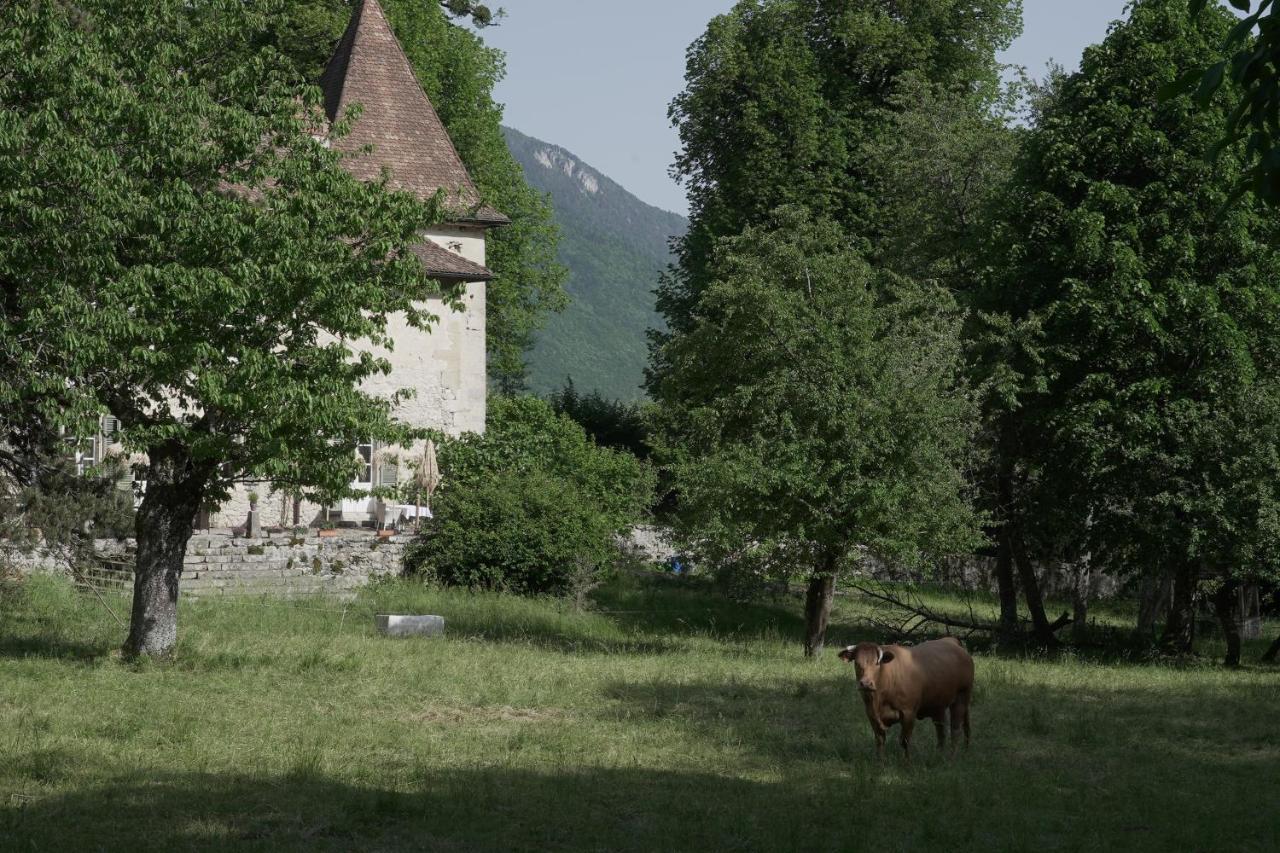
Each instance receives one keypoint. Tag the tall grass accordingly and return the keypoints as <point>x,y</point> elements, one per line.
<point>666,718</point>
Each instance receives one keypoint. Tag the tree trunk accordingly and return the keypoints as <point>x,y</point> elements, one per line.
<point>817,607</point>
<point>1031,590</point>
<point>174,493</point>
<point>1226,604</point>
<point>1004,583</point>
<point>1272,652</point>
<point>1082,592</point>
<point>1178,636</point>
<point>1004,557</point>
<point>1153,598</point>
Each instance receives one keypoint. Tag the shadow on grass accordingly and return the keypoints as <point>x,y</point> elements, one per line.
<point>53,646</point>
<point>677,606</point>
<point>800,719</point>
<point>1073,794</point>
<point>455,809</point>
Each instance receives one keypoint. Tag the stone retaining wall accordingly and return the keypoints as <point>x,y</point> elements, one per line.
<point>218,563</point>
<point>286,564</point>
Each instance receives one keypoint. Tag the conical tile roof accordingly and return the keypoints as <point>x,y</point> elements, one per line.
<point>397,119</point>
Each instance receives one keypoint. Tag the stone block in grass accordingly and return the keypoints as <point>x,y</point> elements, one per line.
<point>409,626</point>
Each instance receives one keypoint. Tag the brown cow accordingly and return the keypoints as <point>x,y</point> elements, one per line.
<point>901,684</point>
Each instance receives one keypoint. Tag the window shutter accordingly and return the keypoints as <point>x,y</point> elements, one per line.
<point>388,473</point>
<point>110,426</point>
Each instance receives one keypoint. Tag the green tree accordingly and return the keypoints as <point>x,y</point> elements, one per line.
<point>944,163</point>
<point>784,100</point>
<point>1133,323</point>
<point>811,409</point>
<point>532,505</point>
<point>458,72</point>
<point>885,118</point>
<point>1252,64</point>
<point>181,252</point>
<point>610,423</point>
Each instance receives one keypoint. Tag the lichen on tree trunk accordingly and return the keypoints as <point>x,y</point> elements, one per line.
<point>175,490</point>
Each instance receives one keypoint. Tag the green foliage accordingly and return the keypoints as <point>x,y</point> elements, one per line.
<point>615,247</point>
<point>185,252</point>
<point>811,406</point>
<point>809,401</point>
<point>1250,67</point>
<point>531,506</point>
<point>609,423</point>
<point>65,510</point>
<point>1133,328</point>
<point>783,98</point>
<point>942,162</point>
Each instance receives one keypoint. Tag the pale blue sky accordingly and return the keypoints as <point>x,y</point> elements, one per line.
<point>596,76</point>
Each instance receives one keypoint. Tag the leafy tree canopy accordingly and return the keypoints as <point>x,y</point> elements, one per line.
<point>530,506</point>
<point>783,97</point>
<point>1252,65</point>
<point>1137,321</point>
<point>182,252</point>
<point>812,405</point>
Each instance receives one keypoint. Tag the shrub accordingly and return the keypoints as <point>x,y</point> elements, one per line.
<point>531,506</point>
<point>610,423</point>
<point>68,509</point>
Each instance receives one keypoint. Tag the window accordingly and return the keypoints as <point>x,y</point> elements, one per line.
<point>84,452</point>
<point>365,478</point>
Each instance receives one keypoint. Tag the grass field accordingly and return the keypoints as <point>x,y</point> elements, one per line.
<point>669,719</point>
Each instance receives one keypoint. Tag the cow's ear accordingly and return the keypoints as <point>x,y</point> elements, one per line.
<point>885,656</point>
<point>846,654</point>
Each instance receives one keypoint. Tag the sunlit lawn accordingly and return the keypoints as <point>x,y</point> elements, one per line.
<point>670,719</point>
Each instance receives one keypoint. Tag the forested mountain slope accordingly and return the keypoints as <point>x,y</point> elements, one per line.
<point>615,247</point>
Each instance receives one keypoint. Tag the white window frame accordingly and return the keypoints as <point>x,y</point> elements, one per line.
<point>84,452</point>
<point>365,482</point>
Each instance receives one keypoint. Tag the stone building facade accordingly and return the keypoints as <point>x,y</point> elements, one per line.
<point>399,133</point>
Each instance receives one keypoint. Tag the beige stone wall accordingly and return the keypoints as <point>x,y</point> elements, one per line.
<point>217,564</point>
<point>444,365</point>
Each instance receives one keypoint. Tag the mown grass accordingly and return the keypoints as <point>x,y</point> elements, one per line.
<point>669,719</point>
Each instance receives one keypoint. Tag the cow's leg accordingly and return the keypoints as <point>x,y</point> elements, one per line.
<point>957,718</point>
<point>964,704</point>
<point>940,726</point>
<point>880,731</point>
<point>908,723</point>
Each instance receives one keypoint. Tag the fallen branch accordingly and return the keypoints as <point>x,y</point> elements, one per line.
<point>923,612</point>
<point>1061,622</point>
<point>917,609</point>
